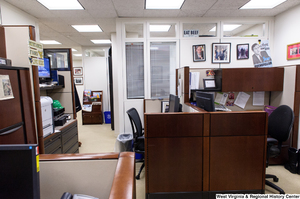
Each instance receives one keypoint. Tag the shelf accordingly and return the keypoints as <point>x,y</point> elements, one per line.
<point>51,87</point>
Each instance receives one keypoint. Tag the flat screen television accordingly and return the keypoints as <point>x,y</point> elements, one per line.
<point>45,71</point>
<point>19,171</point>
<point>205,101</point>
<point>173,103</point>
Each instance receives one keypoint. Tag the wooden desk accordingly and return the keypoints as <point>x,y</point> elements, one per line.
<point>197,155</point>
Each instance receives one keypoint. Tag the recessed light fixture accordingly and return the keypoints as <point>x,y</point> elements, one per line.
<point>61,5</point>
<point>105,41</point>
<point>74,50</point>
<point>78,55</point>
<point>165,4</point>
<point>87,28</point>
<point>49,42</point>
<point>259,4</point>
<point>160,28</point>
<point>227,27</point>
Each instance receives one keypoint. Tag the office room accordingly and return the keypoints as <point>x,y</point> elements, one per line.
<point>145,67</point>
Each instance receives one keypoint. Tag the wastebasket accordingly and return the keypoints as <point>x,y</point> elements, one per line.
<point>125,142</point>
<point>107,117</point>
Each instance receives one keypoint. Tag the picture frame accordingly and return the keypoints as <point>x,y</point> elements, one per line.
<point>78,71</point>
<point>164,106</point>
<point>242,51</point>
<point>209,83</point>
<point>221,53</point>
<point>293,51</point>
<point>78,80</point>
<point>199,53</point>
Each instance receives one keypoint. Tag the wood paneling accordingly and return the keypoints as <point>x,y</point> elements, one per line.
<point>174,164</point>
<point>252,79</point>
<point>2,43</point>
<point>238,123</point>
<point>186,84</point>
<point>298,78</point>
<point>174,124</point>
<point>28,109</point>
<point>237,163</point>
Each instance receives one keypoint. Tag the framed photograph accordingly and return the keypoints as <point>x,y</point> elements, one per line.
<point>199,53</point>
<point>164,106</point>
<point>293,51</point>
<point>221,53</point>
<point>78,80</point>
<point>242,51</point>
<point>78,71</point>
<point>209,83</point>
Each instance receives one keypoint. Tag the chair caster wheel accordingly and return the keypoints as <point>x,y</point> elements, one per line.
<point>137,177</point>
<point>275,179</point>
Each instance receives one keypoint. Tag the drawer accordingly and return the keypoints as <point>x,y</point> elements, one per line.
<point>51,138</point>
<point>57,151</point>
<point>92,118</point>
<point>69,143</point>
<point>66,135</point>
<point>73,149</point>
<point>53,145</point>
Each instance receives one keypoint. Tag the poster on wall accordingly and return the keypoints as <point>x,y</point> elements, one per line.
<point>293,51</point>
<point>262,56</point>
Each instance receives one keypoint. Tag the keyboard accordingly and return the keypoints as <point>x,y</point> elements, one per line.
<point>220,107</point>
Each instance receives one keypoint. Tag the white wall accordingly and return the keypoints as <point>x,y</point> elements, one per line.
<point>96,77</point>
<point>286,31</point>
<point>13,16</point>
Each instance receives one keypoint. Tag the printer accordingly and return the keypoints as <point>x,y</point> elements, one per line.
<point>47,115</point>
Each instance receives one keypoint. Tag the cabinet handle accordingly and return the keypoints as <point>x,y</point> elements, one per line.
<point>11,129</point>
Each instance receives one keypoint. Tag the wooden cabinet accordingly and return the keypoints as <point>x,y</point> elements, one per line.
<point>17,113</point>
<point>95,116</point>
<point>252,79</point>
<point>65,141</point>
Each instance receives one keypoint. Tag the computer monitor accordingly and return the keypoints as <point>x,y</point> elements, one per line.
<point>45,71</point>
<point>205,101</point>
<point>19,171</point>
<point>173,103</point>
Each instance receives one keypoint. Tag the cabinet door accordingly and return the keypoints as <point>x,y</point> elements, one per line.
<point>11,111</point>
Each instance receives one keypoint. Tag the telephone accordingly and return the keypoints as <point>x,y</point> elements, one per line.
<point>67,195</point>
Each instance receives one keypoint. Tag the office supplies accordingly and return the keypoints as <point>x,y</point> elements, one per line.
<point>221,107</point>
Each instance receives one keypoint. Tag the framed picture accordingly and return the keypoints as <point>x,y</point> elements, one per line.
<point>78,80</point>
<point>242,51</point>
<point>221,53</point>
<point>209,83</point>
<point>164,106</point>
<point>78,71</point>
<point>293,51</point>
<point>199,53</point>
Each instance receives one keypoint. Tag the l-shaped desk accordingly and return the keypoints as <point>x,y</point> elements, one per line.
<point>196,154</point>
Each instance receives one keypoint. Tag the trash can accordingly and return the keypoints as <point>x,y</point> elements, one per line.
<point>107,117</point>
<point>125,142</point>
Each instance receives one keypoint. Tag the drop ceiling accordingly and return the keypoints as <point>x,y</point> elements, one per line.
<point>56,25</point>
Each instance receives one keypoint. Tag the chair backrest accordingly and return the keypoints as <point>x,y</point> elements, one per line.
<point>135,121</point>
<point>280,123</point>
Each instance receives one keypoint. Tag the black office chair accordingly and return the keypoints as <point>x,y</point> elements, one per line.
<point>138,135</point>
<point>279,127</point>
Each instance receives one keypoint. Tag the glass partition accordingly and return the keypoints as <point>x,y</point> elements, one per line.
<point>59,58</point>
<point>244,29</point>
<point>134,30</point>
<point>199,30</point>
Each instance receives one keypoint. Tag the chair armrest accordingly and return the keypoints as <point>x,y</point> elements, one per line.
<point>141,138</point>
<point>271,141</point>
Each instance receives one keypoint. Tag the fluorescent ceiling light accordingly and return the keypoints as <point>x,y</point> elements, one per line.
<point>87,28</point>
<point>74,50</point>
<point>101,41</point>
<point>259,4</point>
<point>160,28</point>
<point>61,4</point>
<point>165,4</point>
<point>77,55</point>
<point>49,42</point>
<point>227,27</point>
